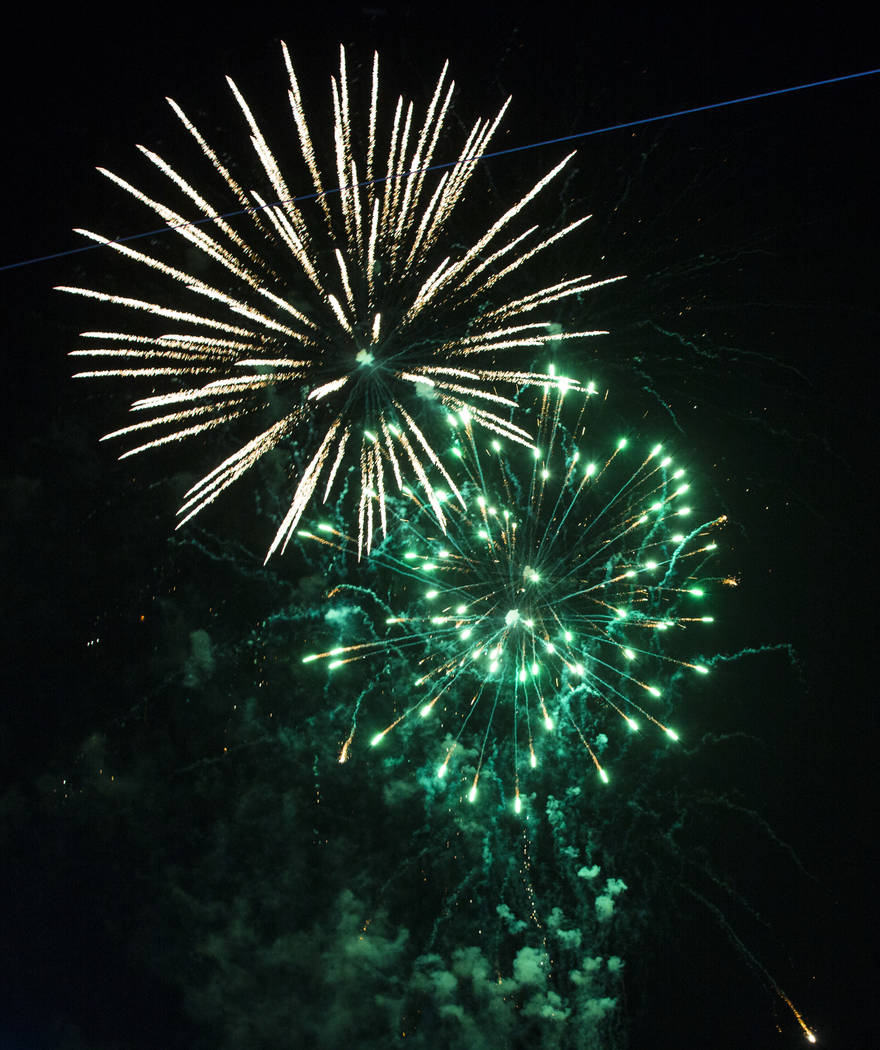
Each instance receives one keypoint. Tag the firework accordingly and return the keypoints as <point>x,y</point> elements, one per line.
<point>557,590</point>
<point>343,325</point>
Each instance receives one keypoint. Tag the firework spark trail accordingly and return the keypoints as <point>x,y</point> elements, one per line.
<point>752,960</point>
<point>556,600</point>
<point>348,324</point>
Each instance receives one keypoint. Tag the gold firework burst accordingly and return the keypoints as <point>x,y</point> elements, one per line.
<point>338,320</point>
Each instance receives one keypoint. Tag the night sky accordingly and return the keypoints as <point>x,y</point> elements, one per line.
<point>183,863</point>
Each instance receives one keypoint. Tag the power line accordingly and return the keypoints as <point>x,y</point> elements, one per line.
<point>451,164</point>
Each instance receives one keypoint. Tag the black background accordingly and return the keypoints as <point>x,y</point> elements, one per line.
<point>760,217</point>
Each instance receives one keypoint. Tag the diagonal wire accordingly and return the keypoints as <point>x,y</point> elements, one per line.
<point>451,164</point>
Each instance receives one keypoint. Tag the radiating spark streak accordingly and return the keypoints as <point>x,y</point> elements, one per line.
<point>304,490</point>
<point>292,347</point>
<point>207,345</point>
<point>303,132</point>
<point>176,417</point>
<point>195,196</point>
<point>178,435</point>
<point>331,477</point>
<point>429,452</point>
<point>219,167</point>
<point>474,252</point>
<point>519,260</point>
<point>327,388</point>
<point>156,309</point>
<point>105,373</point>
<point>141,257</point>
<point>211,485</point>
<point>471,347</point>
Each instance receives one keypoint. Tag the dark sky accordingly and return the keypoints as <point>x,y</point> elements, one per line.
<point>748,235</point>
